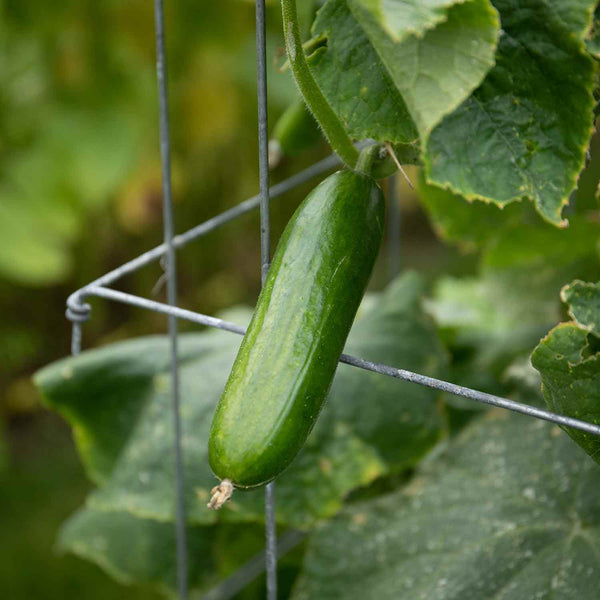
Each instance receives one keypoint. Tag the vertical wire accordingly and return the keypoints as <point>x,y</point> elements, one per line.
<point>165,151</point>
<point>263,139</point>
<point>265,253</point>
<point>271,538</point>
<point>393,246</point>
<point>76,338</point>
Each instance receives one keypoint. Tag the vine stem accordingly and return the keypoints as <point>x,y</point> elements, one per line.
<point>313,96</point>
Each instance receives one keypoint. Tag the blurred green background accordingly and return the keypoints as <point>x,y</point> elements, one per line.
<point>80,194</point>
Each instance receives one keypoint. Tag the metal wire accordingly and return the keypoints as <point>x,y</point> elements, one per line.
<point>393,242</point>
<point>265,261</point>
<point>76,339</point>
<point>236,582</point>
<point>171,276</point>
<point>75,307</point>
<point>361,363</point>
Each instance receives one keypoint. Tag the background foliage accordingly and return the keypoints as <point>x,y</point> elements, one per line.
<point>503,123</point>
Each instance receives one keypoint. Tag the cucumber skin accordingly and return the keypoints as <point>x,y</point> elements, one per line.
<point>288,357</point>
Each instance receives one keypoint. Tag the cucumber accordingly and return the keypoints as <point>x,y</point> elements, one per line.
<point>288,357</point>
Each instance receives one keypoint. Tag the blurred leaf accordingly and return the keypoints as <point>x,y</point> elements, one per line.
<point>528,266</point>
<point>51,186</point>
<point>242,65</point>
<point>469,224</point>
<point>541,246</point>
<point>569,364</point>
<point>93,151</point>
<point>524,132</point>
<point>514,301</point>
<point>134,550</point>
<point>488,321</point>
<point>511,512</point>
<point>29,253</point>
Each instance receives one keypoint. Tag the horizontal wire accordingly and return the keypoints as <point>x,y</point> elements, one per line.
<point>180,313</point>
<point>431,382</point>
<point>211,224</point>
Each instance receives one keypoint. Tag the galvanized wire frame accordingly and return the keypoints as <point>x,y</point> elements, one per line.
<point>78,311</point>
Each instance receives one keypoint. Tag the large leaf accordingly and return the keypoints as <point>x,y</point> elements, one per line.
<point>401,420</point>
<point>569,364</point>
<point>524,132</point>
<point>118,400</point>
<point>469,224</point>
<point>391,73</point>
<point>134,550</point>
<point>137,550</point>
<point>512,512</point>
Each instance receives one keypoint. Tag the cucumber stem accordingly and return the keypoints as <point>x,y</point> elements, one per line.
<point>368,158</point>
<point>313,96</point>
<point>220,494</point>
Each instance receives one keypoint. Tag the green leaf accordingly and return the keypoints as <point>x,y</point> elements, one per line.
<point>408,16</point>
<point>133,550</point>
<point>490,320</point>
<point>511,512</point>
<point>435,69</point>
<point>524,132</point>
<point>399,419</point>
<point>137,550</point>
<point>522,271</point>
<point>528,265</point>
<point>355,81</point>
<point>470,224</point>
<point>540,246</point>
<point>584,304</point>
<point>592,40</point>
<point>118,401</point>
<point>486,325</point>
<point>569,364</point>
<point>390,73</point>
<point>30,254</point>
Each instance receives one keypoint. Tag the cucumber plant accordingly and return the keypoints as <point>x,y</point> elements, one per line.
<point>495,101</point>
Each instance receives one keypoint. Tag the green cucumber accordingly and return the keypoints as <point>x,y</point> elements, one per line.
<point>288,357</point>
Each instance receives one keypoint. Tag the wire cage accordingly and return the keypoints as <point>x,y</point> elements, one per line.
<point>78,311</point>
